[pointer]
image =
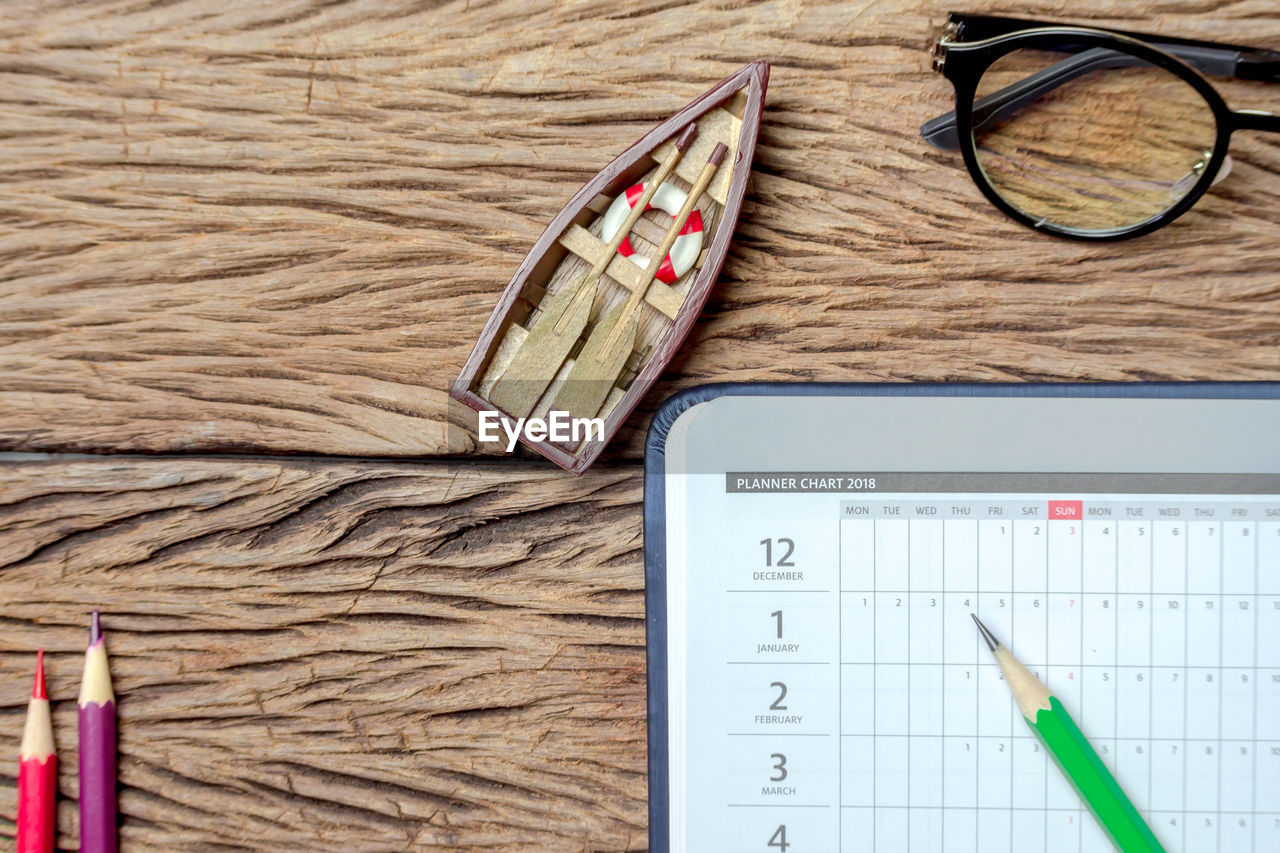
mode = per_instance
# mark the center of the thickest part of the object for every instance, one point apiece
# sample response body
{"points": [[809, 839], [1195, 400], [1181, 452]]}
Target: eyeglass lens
{"points": [[1093, 141]]}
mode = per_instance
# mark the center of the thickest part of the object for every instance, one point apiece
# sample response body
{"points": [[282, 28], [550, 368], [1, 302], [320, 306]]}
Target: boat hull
{"points": [[546, 254]]}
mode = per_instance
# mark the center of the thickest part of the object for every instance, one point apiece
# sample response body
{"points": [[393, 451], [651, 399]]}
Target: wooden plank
{"points": [[584, 244], [717, 126], [339, 656], [272, 228], [613, 340], [563, 315]]}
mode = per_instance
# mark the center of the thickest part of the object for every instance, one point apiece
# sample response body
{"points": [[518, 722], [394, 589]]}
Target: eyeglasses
{"points": [[1087, 133]]}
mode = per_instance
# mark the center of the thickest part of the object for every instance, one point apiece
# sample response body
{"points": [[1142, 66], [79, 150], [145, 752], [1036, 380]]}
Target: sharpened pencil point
{"points": [[38, 688], [992, 642], [95, 630]]}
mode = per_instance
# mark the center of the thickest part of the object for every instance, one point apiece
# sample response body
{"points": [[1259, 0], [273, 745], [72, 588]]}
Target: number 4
{"points": [[779, 838]]}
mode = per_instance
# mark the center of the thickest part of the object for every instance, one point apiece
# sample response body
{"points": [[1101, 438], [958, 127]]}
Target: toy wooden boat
{"points": [[602, 301]]}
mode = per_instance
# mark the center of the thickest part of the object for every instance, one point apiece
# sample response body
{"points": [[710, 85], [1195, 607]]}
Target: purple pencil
{"points": [[97, 749]]}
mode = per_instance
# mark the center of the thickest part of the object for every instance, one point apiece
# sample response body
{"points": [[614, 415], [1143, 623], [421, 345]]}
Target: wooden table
{"points": [[245, 247]]}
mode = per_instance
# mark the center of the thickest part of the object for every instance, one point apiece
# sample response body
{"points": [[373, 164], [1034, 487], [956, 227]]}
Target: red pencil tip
{"points": [[95, 630], [38, 689]]}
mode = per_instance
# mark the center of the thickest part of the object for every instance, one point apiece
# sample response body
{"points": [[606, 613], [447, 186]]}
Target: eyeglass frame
{"points": [[964, 62]]}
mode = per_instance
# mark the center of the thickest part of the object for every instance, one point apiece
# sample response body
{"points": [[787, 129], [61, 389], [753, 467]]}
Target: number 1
{"points": [[777, 614]]}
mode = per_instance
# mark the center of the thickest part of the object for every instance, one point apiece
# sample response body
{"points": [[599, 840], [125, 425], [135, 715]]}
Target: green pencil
{"points": [[1074, 756]]}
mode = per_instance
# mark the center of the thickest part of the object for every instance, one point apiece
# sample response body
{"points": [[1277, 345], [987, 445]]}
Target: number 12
{"points": [[785, 559]]}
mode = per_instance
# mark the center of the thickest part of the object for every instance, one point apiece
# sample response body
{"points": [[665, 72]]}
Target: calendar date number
{"points": [[784, 547]]}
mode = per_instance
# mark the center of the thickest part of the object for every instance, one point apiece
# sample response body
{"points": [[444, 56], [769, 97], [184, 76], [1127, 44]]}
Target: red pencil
{"points": [[37, 771], [97, 749]]}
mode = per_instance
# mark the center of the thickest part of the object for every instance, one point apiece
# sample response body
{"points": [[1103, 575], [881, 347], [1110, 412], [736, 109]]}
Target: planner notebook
{"points": [[813, 554]]}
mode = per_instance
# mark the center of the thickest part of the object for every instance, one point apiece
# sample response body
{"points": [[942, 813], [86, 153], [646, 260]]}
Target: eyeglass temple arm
{"points": [[1212, 58], [1218, 58], [1256, 120], [941, 131]]}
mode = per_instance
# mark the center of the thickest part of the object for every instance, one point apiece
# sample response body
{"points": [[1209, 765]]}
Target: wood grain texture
{"points": [[280, 227], [343, 656]]}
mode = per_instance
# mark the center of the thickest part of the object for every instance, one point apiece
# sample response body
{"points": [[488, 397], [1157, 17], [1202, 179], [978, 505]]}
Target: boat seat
{"points": [[589, 247]]}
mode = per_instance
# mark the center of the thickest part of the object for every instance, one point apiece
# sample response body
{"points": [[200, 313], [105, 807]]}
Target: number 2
{"points": [[782, 694]]}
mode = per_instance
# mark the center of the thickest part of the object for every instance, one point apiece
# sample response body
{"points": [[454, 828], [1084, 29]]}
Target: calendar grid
{"points": [[1040, 592], [977, 698], [943, 798], [1046, 667], [1113, 645], [1013, 588], [1001, 737], [1034, 809], [1083, 711], [1222, 563], [1253, 801], [1151, 649], [1186, 662], [931, 755]]}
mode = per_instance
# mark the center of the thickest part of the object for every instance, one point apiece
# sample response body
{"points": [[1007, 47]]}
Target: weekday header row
{"points": [[1063, 510]]}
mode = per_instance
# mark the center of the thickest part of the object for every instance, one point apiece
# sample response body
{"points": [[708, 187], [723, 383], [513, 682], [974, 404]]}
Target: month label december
{"points": [[774, 575], [779, 560]]}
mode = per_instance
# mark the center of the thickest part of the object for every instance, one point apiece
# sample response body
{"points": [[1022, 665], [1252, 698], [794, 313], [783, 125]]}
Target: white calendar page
{"points": [[827, 689]]}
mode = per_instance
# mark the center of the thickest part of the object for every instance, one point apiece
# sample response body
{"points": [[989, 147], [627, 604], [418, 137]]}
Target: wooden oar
{"points": [[614, 337], [564, 315]]}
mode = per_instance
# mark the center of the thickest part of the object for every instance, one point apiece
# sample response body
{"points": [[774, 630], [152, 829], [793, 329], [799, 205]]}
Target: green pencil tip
{"points": [[992, 642]]}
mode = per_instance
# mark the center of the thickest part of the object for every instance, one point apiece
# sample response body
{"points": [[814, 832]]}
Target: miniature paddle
{"points": [[564, 315], [614, 337]]}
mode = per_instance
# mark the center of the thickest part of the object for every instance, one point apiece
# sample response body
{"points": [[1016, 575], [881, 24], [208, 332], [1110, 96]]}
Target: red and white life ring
{"points": [[684, 252]]}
